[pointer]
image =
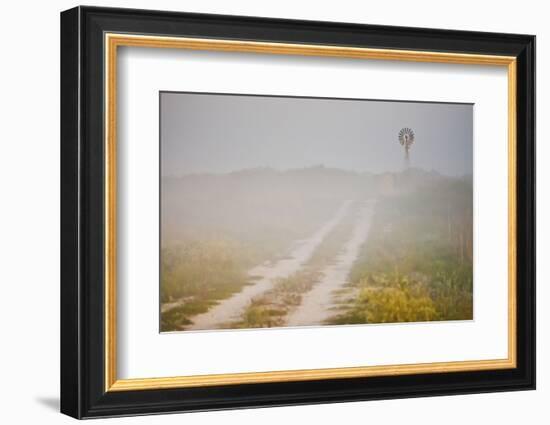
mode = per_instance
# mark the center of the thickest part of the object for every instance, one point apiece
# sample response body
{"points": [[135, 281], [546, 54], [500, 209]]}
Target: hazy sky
{"points": [[221, 133]]}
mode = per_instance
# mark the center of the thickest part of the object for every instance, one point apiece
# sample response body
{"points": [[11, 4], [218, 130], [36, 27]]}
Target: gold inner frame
{"points": [[113, 41]]}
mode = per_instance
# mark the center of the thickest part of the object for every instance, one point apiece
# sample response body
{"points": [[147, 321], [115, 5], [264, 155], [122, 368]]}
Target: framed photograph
{"points": [[261, 212]]}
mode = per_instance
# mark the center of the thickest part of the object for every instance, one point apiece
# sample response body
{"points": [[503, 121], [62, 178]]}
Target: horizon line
{"points": [[312, 167]]}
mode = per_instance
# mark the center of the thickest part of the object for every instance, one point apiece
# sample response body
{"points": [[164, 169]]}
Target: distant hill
{"points": [[258, 203]]}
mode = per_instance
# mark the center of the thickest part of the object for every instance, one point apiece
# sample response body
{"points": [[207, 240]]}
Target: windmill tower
{"points": [[406, 139]]}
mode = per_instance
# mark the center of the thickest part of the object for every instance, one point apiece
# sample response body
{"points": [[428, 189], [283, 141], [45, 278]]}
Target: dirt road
{"points": [[230, 309], [318, 304]]}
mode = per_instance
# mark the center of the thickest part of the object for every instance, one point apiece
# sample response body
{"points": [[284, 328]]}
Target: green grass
{"points": [[270, 309], [199, 274], [417, 262]]}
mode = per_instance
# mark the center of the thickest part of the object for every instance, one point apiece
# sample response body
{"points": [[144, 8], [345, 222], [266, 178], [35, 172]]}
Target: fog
{"points": [[212, 133], [280, 211]]}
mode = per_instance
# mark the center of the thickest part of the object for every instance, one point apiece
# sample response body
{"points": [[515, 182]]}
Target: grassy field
{"points": [[417, 262], [215, 227], [196, 275]]}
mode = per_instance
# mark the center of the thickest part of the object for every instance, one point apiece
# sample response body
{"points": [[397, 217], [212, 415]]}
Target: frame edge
{"points": [[70, 349], [80, 396]]}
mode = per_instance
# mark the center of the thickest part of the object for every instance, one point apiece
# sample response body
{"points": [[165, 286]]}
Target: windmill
{"points": [[406, 139]]}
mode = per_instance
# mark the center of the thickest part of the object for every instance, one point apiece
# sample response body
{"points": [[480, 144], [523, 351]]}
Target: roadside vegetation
{"points": [[417, 262], [270, 309], [196, 275]]}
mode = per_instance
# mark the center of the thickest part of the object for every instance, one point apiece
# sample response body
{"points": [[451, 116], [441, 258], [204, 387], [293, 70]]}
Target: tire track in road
{"points": [[318, 304]]}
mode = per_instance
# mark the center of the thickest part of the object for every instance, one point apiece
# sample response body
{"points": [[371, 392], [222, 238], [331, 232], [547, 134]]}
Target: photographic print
{"points": [[274, 181], [282, 211]]}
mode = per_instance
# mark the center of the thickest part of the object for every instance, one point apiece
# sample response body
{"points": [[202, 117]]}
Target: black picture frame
{"points": [[83, 392]]}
